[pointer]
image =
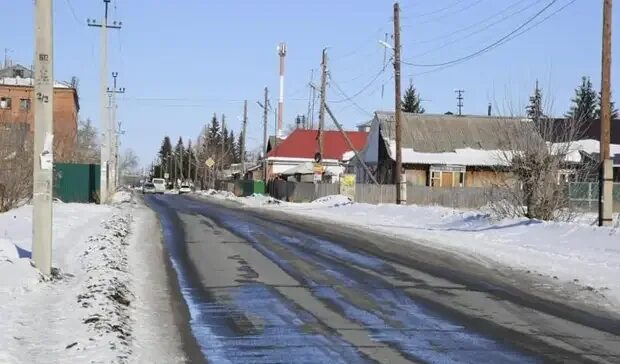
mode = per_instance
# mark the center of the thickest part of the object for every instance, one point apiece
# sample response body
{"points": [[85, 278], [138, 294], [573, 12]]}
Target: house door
{"points": [[447, 179]]}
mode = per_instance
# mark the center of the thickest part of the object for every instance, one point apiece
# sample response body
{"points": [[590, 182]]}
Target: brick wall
{"points": [[65, 115]]}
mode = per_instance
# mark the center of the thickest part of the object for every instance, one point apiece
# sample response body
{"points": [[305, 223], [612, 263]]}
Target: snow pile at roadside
{"points": [[221, 195], [577, 253], [121, 197], [80, 314]]}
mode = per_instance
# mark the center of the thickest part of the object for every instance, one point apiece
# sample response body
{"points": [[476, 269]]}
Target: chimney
{"points": [[489, 110]]}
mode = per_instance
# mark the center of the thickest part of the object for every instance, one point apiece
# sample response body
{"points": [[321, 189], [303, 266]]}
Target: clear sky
{"points": [[183, 60]]}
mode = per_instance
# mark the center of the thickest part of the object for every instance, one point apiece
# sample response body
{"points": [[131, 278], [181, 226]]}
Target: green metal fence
{"points": [[76, 182]]}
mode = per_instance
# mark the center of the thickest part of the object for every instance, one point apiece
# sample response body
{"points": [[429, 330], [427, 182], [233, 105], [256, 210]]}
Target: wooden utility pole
{"points": [[189, 159], [223, 134], [43, 138], [397, 173], [323, 98], [606, 180], [245, 123]]}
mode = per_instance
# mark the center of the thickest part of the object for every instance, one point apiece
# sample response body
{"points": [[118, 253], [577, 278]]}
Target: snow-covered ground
{"points": [[577, 253], [85, 312]]}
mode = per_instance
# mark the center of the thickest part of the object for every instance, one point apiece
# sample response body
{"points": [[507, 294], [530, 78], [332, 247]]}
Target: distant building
{"points": [[298, 149], [17, 100]]}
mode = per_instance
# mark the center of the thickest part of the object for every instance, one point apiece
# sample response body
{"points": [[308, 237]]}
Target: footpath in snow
{"points": [[91, 308], [579, 253]]}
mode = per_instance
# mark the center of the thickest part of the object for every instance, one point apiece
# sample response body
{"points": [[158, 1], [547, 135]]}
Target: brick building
{"points": [[16, 106]]}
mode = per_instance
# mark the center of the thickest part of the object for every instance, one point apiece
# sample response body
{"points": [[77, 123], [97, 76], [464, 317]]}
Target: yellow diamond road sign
{"points": [[210, 162]]}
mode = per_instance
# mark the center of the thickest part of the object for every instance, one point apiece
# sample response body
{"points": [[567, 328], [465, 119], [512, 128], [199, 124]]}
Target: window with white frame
{"points": [[446, 176], [5, 102]]}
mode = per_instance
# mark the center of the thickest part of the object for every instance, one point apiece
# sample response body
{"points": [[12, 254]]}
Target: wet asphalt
{"points": [[259, 290]]}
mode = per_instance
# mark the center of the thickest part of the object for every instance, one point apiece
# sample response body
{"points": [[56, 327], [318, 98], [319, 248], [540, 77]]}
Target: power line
{"points": [[349, 99], [469, 35], [80, 22], [470, 26], [437, 11], [489, 47], [366, 87], [512, 37]]}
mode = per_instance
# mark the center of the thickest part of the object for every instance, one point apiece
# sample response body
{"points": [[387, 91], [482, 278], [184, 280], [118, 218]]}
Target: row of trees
{"points": [[215, 141], [586, 104]]}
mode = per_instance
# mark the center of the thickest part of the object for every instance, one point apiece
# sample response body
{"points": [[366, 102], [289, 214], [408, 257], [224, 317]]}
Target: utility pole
{"points": [[245, 123], [106, 143], [459, 100], [119, 132], [189, 158], [397, 173], [384, 63], [323, 97], [606, 180], [43, 137], [112, 132], [282, 54], [223, 142], [311, 97]]}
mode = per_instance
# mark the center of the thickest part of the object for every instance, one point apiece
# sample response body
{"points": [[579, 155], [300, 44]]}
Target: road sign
{"points": [[210, 162], [166, 175]]}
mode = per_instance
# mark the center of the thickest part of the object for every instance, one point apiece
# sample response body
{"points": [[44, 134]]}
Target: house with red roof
{"points": [[301, 145]]}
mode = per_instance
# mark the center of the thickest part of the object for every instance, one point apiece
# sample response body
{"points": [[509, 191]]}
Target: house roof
{"points": [[18, 75], [428, 133], [302, 143]]}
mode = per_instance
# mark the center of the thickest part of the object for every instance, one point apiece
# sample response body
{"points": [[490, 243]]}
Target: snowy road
{"points": [[264, 290]]}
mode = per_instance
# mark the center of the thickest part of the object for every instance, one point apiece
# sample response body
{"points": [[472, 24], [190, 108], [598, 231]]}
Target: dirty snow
{"points": [[83, 312], [577, 253]]}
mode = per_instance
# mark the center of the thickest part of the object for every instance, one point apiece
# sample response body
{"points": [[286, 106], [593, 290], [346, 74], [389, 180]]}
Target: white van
{"points": [[160, 185]]}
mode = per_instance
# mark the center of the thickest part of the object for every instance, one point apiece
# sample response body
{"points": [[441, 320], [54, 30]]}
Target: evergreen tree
{"points": [[584, 102], [231, 148], [165, 152], [179, 151], [214, 132], [411, 101], [535, 109], [614, 111], [240, 158]]}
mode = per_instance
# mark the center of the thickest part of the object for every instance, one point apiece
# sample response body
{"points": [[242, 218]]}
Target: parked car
{"points": [[160, 185], [185, 188], [148, 187]]}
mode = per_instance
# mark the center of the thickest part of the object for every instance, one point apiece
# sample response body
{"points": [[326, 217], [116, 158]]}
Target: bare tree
{"points": [[540, 155], [129, 162], [16, 165], [87, 143]]}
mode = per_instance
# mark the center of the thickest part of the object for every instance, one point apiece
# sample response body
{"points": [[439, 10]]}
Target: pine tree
{"points": [[535, 109], [584, 102], [164, 156], [612, 105], [240, 158], [411, 101], [179, 151], [214, 132]]}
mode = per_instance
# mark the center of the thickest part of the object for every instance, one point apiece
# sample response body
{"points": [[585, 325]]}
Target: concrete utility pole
{"points": [[311, 97], [397, 173], [265, 120], [117, 144], [43, 137], [323, 98], [106, 143], [459, 100], [113, 133], [282, 54], [245, 123], [606, 181]]}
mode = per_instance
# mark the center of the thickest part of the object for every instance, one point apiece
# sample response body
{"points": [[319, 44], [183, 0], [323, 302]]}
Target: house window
{"points": [[5, 102], [435, 179], [18, 73], [447, 176], [24, 104]]}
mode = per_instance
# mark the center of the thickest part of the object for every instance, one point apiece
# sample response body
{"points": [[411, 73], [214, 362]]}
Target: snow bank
{"points": [[577, 253], [83, 312], [121, 197]]}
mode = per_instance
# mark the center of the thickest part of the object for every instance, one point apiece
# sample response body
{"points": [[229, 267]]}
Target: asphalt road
{"points": [[262, 288]]}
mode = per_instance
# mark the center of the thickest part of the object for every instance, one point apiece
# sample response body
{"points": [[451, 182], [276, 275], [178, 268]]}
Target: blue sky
{"points": [[181, 61]]}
